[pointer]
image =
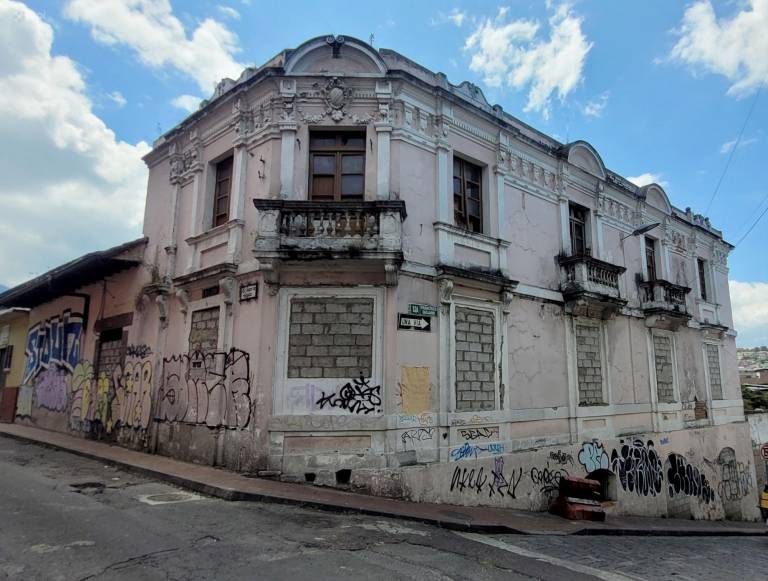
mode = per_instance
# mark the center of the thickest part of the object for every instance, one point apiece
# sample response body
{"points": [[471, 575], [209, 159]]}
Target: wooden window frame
{"points": [[338, 150], [461, 217], [220, 218], [650, 258], [573, 222]]}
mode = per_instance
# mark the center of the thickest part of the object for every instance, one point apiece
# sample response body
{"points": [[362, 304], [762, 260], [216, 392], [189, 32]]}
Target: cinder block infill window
{"points": [[713, 366], [330, 337], [475, 360], [589, 365], [662, 354]]}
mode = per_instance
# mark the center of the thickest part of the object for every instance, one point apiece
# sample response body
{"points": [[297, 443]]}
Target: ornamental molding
{"points": [[615, 210], [185, 161]]}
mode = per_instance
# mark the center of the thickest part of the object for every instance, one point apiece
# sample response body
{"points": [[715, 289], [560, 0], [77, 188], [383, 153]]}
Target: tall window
{"points": [[467, 202], [221, 192], [650, 257], [578, 227], [337, 165], [701, 265]]}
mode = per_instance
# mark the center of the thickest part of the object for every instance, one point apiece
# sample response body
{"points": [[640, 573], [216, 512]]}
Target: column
{"points": [[237, 203], [287, 148], [383, 133]]}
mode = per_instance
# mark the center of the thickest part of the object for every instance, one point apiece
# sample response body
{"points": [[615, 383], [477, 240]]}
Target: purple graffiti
{"points": [[51, 389]]}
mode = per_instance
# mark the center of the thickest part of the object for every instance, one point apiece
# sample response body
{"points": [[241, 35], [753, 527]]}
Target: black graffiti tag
{"points": [[417, 435], [638, 467], [356, 397], [476, 479], [548, 479], [686, 479]]}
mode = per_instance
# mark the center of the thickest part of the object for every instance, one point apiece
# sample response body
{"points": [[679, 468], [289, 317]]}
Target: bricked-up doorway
{"points": [[110, 362]]}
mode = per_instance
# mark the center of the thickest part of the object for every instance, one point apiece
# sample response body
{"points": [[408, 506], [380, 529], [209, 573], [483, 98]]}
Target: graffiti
{"points": [[467, 450], [548, 479], [473, 420], [735, 477], [664, 440], [560, 457], [53, 341], [51, 389], [356, 397], [486, 433], [476, 479], [417, 435], [24, 402], [131, 403], [423, 420], [79, 385], [638, 467], [302, 398], [138, 351], [593, 457], [686, 479], [212, 388]]}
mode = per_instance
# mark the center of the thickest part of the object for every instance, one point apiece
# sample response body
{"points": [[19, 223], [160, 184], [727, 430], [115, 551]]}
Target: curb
{"points": [[232, 495]]}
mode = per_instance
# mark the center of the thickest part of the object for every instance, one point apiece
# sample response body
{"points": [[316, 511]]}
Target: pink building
{"points": [[357, 273]]}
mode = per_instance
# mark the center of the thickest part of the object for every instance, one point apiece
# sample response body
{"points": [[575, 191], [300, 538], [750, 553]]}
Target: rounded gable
{"points": [[334, 55], [655, 196], [582, 155]]}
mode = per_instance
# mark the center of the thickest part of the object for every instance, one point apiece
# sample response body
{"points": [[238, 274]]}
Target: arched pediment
{"points": [[334, 55], [584, 156], [655, 196]]}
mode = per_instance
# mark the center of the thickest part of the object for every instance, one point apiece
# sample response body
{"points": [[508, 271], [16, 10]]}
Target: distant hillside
{"points": [[755, 358], [3, 288]]}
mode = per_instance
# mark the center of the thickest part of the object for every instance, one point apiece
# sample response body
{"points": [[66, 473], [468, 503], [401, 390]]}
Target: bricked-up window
{"points": [[578, 227], [221, 192], [650, 257], [111, 352], [589, 365], [204, 330], [713, 366], [475, 360], [467, 195], [337, 165], [330, 337], [662, 355], [701, 266]]}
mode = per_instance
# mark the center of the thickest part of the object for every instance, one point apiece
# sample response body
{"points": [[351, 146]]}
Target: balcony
{"points": [[305, 230], [664, 303], [590, 286]]}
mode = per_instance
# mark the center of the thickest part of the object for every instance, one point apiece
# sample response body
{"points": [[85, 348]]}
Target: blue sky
{"points": [[661, 89]]}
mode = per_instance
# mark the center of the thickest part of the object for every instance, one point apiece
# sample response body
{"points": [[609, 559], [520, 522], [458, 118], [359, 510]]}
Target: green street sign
{"points": [[426, 310]]}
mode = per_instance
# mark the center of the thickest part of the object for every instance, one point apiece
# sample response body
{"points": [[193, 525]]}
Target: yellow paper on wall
{"points": [[415, 389]]}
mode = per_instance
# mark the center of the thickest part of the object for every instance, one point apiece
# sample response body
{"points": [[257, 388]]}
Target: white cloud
{"points": [[159, 39], [749, 301], [647, 178], [455, 16], [734, 47], [596, 106], [728, 146], [229, 12], [188, 103], [117, 98], [69, 185], [513, 53]]}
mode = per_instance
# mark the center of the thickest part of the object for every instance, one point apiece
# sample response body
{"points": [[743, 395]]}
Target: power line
{"points": [[733, 151], [752, 226]]}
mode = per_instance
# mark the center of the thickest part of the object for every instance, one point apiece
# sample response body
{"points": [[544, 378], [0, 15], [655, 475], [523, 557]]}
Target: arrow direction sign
{"points": [[413, 322]]}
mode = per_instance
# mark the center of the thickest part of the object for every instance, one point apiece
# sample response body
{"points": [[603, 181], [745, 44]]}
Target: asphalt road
{"points": [[63, 517]]}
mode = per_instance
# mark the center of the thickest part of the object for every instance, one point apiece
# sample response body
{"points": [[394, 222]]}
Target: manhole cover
{"points": [[168, 498]]}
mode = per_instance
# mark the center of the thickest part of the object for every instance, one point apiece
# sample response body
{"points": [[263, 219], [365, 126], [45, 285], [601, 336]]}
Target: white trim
{"points": [[538, 292], [280, 381]]}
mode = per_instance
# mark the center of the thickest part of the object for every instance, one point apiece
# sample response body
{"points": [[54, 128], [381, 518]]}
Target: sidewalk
{"points": [[232, 486]]}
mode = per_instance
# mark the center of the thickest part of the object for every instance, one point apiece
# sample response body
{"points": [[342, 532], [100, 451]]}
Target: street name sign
{"points": [[410, 322]]}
